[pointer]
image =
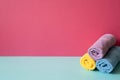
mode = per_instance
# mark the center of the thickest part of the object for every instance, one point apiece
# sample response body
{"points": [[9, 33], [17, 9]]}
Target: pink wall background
{"points": [[55, 27]]}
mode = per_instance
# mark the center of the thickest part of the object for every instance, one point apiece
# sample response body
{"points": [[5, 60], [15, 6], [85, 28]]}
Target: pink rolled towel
{"points": [[101, 46]]}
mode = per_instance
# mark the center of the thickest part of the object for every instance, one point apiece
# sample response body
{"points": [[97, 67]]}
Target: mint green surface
{"points": [[49, 68]]}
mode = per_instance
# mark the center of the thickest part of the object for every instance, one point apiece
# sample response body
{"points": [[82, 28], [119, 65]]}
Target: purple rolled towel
{"points": [[101, 46]]}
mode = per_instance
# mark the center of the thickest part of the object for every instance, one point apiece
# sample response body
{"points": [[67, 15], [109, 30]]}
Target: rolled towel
{"points": [[101, 46], [87, 62], [109, 62]]}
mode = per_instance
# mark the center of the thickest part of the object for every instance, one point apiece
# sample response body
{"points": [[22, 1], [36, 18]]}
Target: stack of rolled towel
{"points": [[102, 55]]}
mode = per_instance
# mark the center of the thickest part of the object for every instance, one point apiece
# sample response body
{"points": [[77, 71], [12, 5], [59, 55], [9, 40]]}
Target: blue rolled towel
{"points": [[109, 62]]}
